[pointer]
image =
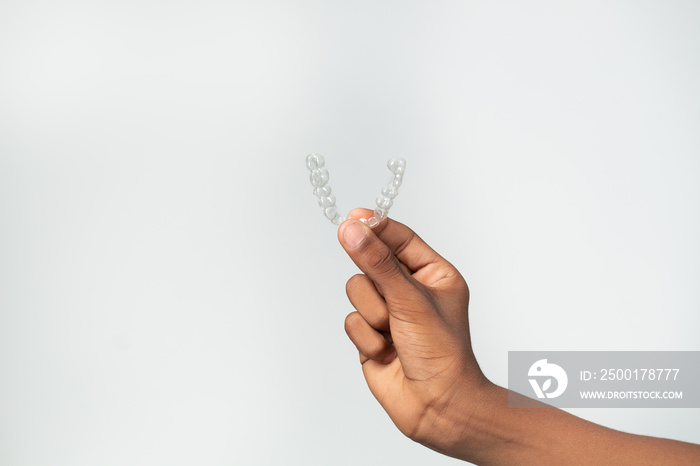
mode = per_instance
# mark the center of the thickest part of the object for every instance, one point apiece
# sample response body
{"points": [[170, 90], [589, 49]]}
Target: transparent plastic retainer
{"points": [[322, 190]]}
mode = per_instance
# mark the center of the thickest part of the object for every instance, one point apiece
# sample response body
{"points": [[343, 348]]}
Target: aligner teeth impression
{"points": [[322, 190]]}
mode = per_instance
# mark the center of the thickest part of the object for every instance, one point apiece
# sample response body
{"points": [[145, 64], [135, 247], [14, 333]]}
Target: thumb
{"points": [[376, 260]]}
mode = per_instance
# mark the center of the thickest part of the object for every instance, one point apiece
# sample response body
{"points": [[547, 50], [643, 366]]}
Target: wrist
{"points": [[537, 435], [479, 427], [463, 422], [488, 435]]}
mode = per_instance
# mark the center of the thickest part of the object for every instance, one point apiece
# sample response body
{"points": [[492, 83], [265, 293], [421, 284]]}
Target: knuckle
{"points": [[353, 284], [382, 261], [352, 321]]}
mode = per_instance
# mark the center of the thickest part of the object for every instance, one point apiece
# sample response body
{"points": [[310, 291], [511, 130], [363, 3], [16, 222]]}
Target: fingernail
{"points": [[354, 234], [390, 357]]}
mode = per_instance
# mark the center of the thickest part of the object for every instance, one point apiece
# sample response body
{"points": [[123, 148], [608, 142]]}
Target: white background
{"points": [[170, 293]]}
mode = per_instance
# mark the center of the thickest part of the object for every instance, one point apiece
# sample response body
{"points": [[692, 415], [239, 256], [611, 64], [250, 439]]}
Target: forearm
{"points": [[498, 435]]}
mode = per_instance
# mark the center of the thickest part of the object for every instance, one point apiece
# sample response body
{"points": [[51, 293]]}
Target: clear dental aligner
{"points": [[322, 190]]}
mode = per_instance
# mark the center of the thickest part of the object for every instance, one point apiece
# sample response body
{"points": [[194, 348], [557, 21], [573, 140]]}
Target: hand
{"points": [[412, 331]]}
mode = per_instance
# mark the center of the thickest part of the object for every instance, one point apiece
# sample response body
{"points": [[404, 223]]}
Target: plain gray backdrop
{"points": [[170, 293]]}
